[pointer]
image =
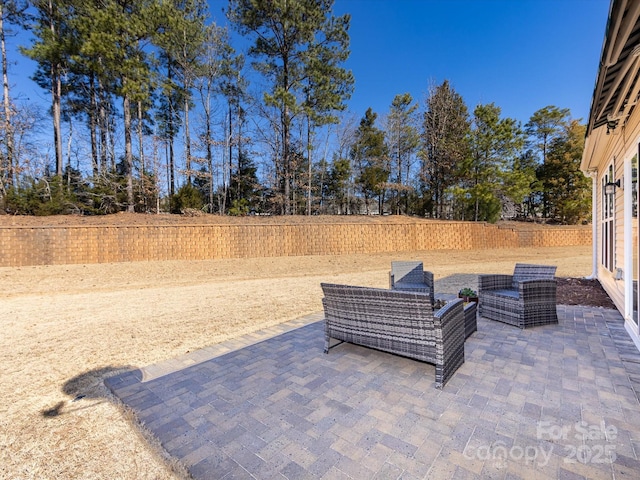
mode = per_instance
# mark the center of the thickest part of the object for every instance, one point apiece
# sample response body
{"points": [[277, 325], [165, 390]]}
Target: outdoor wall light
{"points": [[619, 274], [610, 187]]}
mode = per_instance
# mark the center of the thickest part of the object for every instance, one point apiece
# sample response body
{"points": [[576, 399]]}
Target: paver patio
{"points": [[557, 401]]}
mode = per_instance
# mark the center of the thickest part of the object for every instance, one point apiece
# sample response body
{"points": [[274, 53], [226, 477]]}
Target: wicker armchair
{"points": [[525, 299], [410, 277], [402, 323]]}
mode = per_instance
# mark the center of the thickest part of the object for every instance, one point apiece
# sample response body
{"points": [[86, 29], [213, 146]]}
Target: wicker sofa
{"points": [[525, 299], [398, 322]]}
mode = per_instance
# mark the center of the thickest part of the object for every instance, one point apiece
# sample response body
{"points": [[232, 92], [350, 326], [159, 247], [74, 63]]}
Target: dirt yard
{"points": [[66, 328]]}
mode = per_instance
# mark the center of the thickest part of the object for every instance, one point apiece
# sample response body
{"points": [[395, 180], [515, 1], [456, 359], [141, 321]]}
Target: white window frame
{"points": [[608, 231]]}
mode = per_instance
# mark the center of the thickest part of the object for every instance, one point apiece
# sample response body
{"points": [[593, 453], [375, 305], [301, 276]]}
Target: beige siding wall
{"points": [[615, 288], [617, 147]]}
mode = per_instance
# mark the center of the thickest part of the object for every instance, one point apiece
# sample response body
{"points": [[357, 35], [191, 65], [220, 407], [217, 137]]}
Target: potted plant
{"points": [[438, 304], [468, 295]]}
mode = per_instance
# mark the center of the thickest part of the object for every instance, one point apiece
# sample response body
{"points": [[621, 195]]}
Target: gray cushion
{"points": [[503, 293]]}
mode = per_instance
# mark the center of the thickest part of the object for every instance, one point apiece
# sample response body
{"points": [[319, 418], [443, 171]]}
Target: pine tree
{"points": [[337, 185], [546, 125], [444, 146], [568, 190], [51, 51], [495, 143], [298, 48], [181, 45], [403, 140], [370, 154], [117, 37]]}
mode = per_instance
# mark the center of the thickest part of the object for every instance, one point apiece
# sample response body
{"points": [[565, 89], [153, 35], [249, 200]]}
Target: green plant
{"points": [[187, 197], [49, 195], [240, 208], [468, 292]]}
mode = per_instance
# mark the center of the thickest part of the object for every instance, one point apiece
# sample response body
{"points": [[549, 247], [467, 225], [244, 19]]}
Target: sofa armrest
{"points": [[494, 282], [450, 336], [450, 312], [428, 278], [539, 289], [450, 319]]}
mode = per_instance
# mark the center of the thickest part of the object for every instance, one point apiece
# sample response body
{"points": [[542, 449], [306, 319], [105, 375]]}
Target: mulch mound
{"points": [[582, 291]]}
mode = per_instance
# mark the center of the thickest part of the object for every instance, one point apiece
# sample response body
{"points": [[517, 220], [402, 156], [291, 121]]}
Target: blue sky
{"points": [[521, 55]]}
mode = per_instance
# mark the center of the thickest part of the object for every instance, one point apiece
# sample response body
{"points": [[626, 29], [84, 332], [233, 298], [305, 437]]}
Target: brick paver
{"points": [[552, 402]]}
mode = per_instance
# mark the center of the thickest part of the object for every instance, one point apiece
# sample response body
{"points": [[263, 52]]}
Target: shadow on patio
{"points": [[558, 401]]}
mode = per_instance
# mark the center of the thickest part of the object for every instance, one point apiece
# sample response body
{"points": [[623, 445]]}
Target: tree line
{"points": [[152, 109]]}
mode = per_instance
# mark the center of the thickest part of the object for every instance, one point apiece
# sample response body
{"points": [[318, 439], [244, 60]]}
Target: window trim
{"points": [[608, 222]]}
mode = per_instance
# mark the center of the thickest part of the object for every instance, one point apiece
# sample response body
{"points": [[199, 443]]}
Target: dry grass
{"points": [[65, 328]]}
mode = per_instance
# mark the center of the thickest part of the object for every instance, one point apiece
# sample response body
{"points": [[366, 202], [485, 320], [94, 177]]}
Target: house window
{"points": [[608, 214]]}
